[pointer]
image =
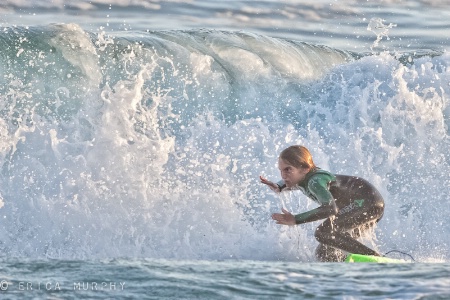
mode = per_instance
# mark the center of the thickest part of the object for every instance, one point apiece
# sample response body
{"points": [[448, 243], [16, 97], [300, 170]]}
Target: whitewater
{"points": [[136, 132]]}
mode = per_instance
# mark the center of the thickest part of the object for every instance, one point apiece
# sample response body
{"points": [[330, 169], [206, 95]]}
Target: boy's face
{"points": [[290, 174]]}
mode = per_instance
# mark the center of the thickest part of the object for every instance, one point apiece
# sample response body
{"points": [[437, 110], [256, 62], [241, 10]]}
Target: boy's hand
{"points": [[273, 186], [286, 218]]}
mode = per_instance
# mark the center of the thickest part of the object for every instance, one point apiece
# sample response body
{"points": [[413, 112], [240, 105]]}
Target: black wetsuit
{"points": [[347, 203]]}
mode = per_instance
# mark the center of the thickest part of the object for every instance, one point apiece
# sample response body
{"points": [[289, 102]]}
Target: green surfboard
{"points": [[357, 258]]}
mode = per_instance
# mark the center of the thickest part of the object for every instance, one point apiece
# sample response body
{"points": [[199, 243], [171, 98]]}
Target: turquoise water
{"points": [[132, 138], [180, 279]]}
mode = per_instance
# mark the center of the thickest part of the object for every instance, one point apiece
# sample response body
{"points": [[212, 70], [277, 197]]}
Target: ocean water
{"points": [[133, 133], [231, 279]]}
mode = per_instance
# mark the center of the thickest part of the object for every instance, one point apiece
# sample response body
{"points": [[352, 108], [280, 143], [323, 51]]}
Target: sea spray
{"points": [[150, 144]]}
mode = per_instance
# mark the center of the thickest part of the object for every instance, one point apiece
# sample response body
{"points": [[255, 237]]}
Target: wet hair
{"points": [[298, 156]]}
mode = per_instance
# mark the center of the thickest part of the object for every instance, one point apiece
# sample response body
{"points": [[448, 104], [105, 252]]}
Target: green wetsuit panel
{"points": [[318, 188]]}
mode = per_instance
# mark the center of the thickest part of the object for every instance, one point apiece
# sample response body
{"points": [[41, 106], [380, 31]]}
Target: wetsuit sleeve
{"points": [[318, 188], [319, 213], [281, 185]]}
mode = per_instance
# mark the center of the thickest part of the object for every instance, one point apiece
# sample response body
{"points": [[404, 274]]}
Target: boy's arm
{"points": [[273, 186], [318, 187], [319, 213]]}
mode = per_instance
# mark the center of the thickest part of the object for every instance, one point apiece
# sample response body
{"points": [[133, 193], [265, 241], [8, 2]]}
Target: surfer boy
{"points": [[349, 204]]}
